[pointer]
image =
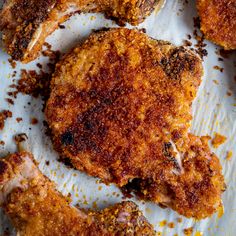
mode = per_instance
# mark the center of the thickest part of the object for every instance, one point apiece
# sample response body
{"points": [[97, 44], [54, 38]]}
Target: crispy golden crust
{"points": [[196, 192], [27, 23], [19, 21], [36, 208], [218, 21], [123, 219], [120, 110]]}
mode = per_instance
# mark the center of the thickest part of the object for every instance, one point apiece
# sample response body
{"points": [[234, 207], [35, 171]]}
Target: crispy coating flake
{"points": [[120, 110], [218, 21], [27, 23], [36, 208], [218, 140]]}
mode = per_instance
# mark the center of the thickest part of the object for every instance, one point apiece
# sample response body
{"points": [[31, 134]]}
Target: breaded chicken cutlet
{"points": [[119, 110], [26, 24], [218, 21], [36, 208]]}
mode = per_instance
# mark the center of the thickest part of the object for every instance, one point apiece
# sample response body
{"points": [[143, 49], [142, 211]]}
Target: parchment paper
{"points": [[213, 110]]}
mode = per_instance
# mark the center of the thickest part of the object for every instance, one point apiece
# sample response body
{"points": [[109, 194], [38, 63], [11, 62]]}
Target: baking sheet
{"points": [[213, 110]]}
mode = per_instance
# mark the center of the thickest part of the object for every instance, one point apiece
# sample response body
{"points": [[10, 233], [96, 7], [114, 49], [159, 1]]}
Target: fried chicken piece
{"points": [[26, 24], [218, 21], [35, 207], [119, 110], [4, 115]]}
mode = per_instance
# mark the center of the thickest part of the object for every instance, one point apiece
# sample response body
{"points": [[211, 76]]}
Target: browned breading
{"points": [[36, 208], [120, 110], [33, 83], [26, 24], [218, 21]]}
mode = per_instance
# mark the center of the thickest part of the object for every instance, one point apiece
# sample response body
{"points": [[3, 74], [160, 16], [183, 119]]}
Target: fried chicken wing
{"points": [[218, 21], [36, 208], [26, 24], [119, 110]]}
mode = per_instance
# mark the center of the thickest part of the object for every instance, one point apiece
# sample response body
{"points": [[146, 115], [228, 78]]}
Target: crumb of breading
{"points": [[19, 138], [2, 143], [19, 119], [12, 63], [33, 83], [219, 68], [47, 163], [10, 101], [229, 155], [218, 140], [3, 116], [171, 225], [179, 220], [163, 223], [34, 121], [200, 45], [188, 231]]}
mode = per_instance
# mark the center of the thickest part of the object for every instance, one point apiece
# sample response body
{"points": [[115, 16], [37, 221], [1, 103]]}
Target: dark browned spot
{"points": [[67, 138], [3, 167], [177, 62]]}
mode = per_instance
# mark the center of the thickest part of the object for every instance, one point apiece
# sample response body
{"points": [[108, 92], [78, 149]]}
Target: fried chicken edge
{"points": [[24, 36], [35, 207]]}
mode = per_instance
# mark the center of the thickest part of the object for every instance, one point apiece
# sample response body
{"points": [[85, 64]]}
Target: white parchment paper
{"points": [[213, 110]]}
